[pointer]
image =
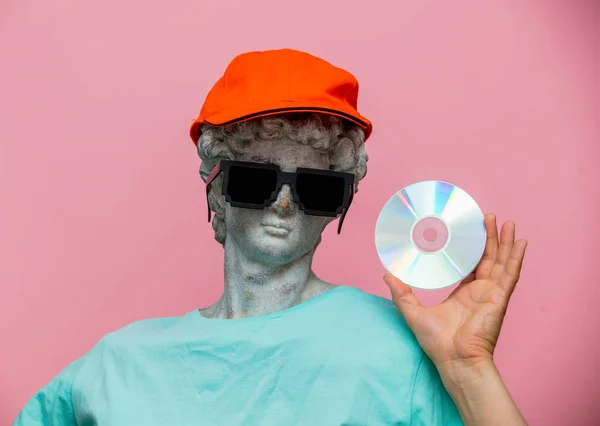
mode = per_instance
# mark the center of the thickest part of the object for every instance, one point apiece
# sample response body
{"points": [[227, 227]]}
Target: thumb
{"points": [[404, 299]]}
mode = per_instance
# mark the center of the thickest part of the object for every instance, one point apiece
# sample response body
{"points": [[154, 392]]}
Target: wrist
{"points": [[467, 374], [479, 393]]}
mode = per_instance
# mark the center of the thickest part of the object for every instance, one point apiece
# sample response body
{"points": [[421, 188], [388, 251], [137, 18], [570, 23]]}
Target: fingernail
{"points": [[400, 290]]}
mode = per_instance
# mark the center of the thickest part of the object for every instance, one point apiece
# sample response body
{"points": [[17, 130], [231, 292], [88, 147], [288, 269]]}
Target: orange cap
{"points": [[258, 84]]}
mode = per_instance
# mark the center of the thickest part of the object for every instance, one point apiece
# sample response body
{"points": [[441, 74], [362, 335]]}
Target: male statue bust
{"points": [[268, 253]]}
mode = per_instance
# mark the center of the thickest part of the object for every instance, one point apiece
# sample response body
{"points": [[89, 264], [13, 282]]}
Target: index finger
{"points": [[484, 270]]}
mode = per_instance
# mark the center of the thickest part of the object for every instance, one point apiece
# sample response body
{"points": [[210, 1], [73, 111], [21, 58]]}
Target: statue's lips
{"points": [[276, 229]]}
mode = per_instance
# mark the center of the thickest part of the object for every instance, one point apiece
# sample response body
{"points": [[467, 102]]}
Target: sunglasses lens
{"points": [[321, 193], [251, 185]]}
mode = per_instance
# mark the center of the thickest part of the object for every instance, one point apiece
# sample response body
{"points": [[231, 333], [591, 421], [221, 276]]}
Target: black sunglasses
{"points": [[256, 186]]}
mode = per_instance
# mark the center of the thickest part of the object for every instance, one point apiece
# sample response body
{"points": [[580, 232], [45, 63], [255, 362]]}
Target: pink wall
{"points": [[102, 215]]}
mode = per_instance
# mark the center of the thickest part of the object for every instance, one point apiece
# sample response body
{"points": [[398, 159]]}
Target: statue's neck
{"points": [[253, 288]]}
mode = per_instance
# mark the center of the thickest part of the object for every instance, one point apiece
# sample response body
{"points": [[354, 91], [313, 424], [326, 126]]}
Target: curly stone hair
{"points": [[341, 140]]}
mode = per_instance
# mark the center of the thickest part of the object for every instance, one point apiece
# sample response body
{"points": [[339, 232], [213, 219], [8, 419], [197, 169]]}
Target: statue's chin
{"points": [[274, 252]]}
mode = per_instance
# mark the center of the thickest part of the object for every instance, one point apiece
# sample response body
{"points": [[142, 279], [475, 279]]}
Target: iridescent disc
{"points": [[430, 235]]}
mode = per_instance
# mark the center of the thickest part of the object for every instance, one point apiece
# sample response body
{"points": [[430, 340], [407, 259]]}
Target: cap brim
{"points": [[249, 112]]}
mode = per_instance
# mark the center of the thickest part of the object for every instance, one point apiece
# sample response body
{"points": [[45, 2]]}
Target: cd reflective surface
{"points": [[430, 235]]}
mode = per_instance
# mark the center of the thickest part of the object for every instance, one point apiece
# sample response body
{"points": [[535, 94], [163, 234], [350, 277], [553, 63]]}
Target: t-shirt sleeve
{"points": [[431, 405], [51, 405]]}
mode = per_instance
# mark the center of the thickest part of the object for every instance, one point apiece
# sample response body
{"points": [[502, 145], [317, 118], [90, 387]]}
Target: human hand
{"points": [[463, 330]]}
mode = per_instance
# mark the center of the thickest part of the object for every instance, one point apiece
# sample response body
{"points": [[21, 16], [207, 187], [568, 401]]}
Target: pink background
{"points": [[102, 215]]}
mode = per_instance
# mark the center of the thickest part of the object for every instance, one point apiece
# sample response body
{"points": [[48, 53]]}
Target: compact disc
{"points": [[430, 235]]}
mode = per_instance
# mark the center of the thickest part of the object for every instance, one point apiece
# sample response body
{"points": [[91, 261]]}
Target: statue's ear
{"points": [[204, 171]]}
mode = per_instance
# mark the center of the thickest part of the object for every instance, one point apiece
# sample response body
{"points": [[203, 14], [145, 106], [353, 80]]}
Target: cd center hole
{"points": [[430, 235]]}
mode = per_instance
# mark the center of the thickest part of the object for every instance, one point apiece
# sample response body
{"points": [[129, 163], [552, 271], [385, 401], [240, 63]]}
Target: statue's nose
{"points": [[284, 204]]}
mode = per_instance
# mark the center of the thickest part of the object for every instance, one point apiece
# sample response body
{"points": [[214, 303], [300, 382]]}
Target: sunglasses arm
{"points": [[213, 174], [207, 205], [341, 222]]}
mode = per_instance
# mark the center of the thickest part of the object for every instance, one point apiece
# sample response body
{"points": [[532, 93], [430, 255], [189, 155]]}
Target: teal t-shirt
{"points": [[345, 357]]}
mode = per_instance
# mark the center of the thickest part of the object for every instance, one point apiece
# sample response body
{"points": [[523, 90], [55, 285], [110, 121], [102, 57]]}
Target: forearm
{"points": [[480, 395]]}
